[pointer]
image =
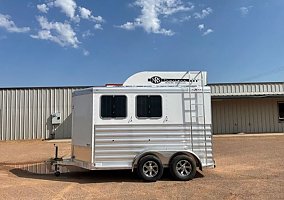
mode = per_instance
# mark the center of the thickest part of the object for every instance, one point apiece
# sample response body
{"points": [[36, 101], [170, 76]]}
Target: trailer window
{"points": [[149, 106], [281, 111], [113, 106]]}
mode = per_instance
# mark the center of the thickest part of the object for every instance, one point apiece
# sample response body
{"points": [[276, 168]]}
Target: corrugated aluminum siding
{"points": [[249, 115], [25, 112], [117, 146], [247, 89]]}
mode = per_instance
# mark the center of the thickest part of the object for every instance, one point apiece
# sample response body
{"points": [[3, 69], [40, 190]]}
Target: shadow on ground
{"points": [[44, 172]]}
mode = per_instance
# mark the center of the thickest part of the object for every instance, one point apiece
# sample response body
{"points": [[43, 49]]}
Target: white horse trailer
{"points": [[152, 121]]}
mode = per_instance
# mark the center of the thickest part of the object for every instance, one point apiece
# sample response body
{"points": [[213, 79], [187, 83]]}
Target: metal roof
{"points": [[43, 87], [218, 90], [238, 90]]}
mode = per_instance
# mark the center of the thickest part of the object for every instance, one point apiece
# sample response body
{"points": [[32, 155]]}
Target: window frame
{"points": [[116, 118], [280, 119], [136, 107]]}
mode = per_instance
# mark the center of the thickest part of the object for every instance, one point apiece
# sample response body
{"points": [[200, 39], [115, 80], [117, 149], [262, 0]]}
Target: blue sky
{"points": [[68, 42]]}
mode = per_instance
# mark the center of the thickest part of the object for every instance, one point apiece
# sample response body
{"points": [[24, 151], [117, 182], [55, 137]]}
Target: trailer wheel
{"points": [[183, 167], [150, 168]]}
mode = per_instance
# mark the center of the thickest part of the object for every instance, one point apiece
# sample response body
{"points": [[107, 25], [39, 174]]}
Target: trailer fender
{"points": [[139, 156], [166, 157], [189, 153]]}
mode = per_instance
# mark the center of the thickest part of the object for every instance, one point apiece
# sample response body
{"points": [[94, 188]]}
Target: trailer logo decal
{"points": [[157, 80]]}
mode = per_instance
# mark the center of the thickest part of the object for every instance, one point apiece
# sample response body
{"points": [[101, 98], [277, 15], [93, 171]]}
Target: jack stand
{"points": [[56, 168]]}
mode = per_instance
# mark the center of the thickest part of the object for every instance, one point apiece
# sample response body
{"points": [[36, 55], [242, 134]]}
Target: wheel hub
{"points": [[150, 168], [183, 167]]}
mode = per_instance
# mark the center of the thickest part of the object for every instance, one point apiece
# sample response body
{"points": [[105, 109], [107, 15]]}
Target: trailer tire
{"points": [[150, 168], [183, 167]]}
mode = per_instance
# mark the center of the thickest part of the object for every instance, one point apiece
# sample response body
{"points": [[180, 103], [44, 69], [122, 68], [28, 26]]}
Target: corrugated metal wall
{"points": [[25, 113], [247, 89], [249, 115]]}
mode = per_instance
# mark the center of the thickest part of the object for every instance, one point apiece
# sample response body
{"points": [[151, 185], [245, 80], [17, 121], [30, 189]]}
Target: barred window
{"points": [[149, 106], [113, 106]]}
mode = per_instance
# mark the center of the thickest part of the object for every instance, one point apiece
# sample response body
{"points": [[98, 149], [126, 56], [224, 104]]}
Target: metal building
{"points": [[25, 113], [247, 107]]}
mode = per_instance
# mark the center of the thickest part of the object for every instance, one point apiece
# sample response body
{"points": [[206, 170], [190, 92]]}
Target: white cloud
{"points": [[245, 10], [201, 27], [87, 14], [87, 34], [98, 27], [10, 26], [68, 7], [60, 33], [208, 31], [185, 18], [127, 26], [42, 8], [180, 19], [98, 19], [85, 52], [169, 7], [204, 13], [151, 11]]}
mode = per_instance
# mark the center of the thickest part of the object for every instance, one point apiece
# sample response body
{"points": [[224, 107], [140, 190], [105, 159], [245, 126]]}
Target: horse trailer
{"points": [[152, 121]]}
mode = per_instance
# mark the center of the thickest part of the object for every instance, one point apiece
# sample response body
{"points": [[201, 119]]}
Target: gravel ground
{"points": [[247, 168]]}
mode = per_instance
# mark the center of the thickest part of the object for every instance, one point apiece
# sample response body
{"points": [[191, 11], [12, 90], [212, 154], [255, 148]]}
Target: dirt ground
{"points": [[247, 168]]}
